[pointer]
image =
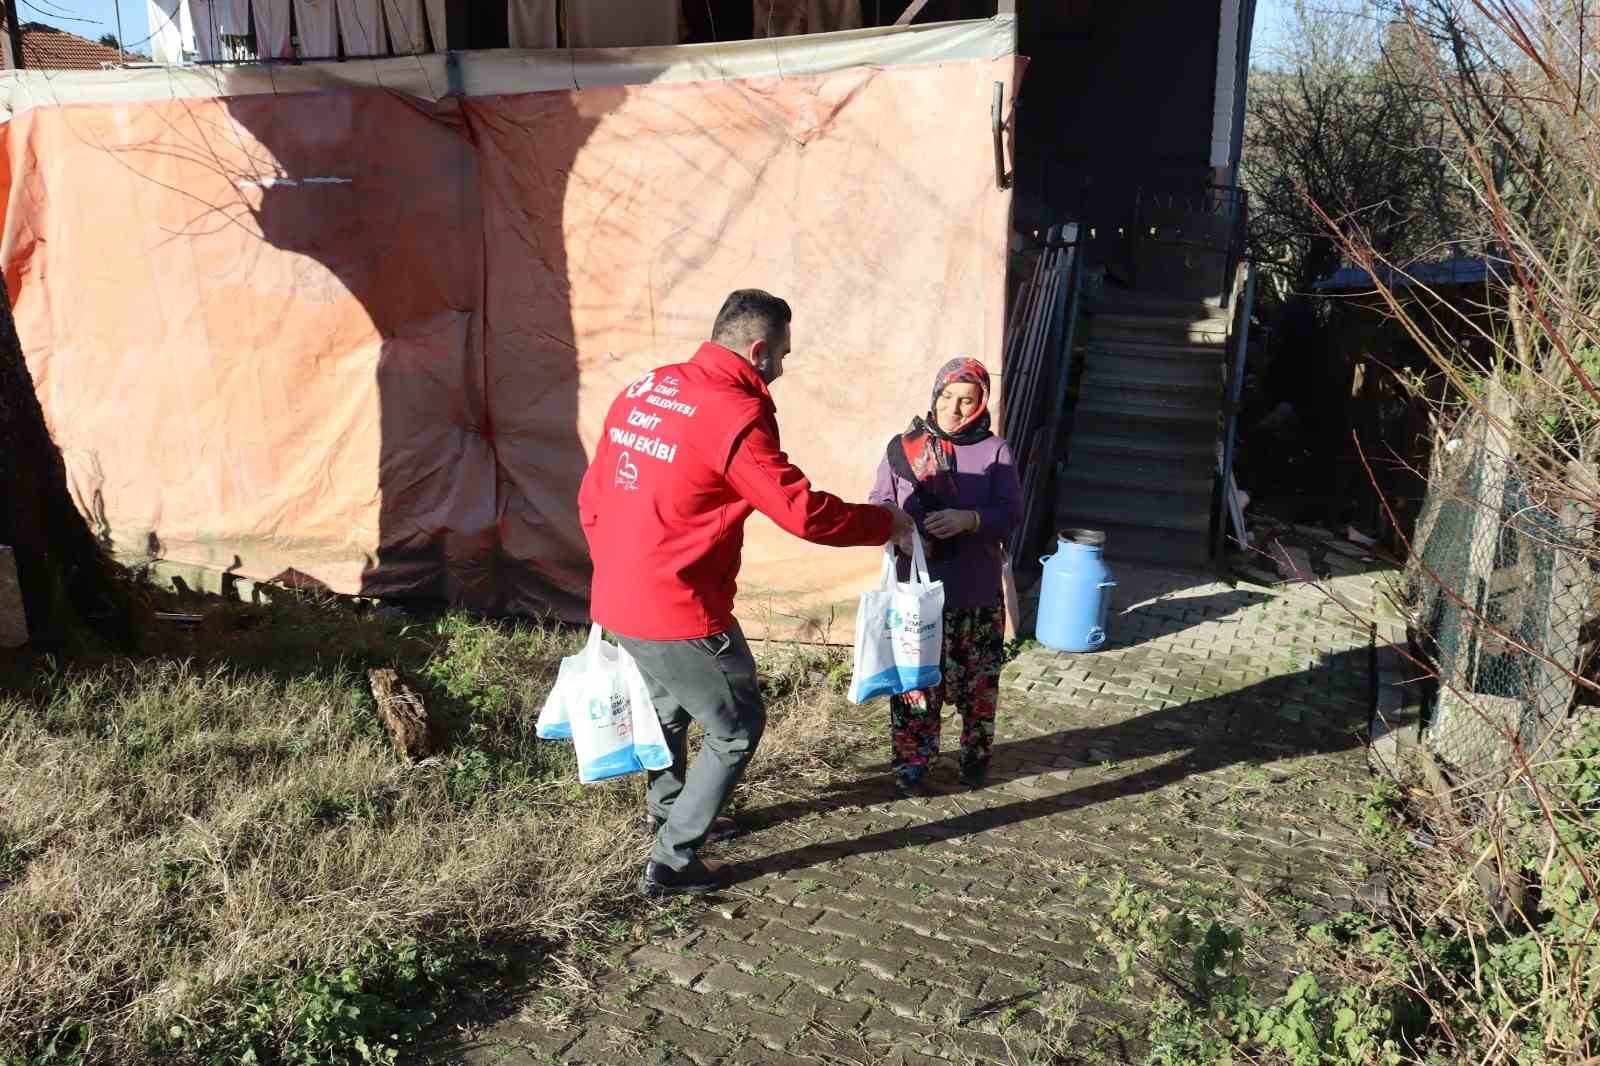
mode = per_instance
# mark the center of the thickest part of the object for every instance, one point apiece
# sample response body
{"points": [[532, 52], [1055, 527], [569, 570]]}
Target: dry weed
{"points": [[185, 843]]}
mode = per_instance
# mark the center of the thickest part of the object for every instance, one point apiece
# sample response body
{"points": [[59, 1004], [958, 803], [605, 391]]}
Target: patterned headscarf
{"points": [[925, 454]]}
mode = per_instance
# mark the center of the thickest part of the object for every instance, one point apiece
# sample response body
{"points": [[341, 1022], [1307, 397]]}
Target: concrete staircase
{"points": [[1142, 452]]}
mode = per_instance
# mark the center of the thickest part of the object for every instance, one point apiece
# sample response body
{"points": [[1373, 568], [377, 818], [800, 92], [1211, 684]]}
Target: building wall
{"points": [[1118, 95]]}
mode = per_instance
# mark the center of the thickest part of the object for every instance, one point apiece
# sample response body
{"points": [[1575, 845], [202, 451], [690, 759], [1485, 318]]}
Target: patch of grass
{"points": [[211, 853]]}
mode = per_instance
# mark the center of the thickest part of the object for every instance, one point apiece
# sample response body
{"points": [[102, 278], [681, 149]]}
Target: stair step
{"points": [[1155, 329], [1134, 412], [1144, 348], [1107, 384], [1143, 544], [1140, 320], [1121, 302], [1180, 428], [1141, 450], [1156, 448], [1136, 477], [1103, 366], [1092, 507], [1174, 338]]}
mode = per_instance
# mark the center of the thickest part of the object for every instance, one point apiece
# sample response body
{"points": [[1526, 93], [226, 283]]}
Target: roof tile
{"points": [[48, 48]]}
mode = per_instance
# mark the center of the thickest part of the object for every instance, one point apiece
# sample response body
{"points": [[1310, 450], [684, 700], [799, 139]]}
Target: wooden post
{"points": [[1464, 717], [1566, 603], [13, 622], [1440, 473], [14, 31], [1489, 500]]}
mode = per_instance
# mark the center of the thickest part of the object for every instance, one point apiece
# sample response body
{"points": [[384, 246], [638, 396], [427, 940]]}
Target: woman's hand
{"points": [[947, 524]]}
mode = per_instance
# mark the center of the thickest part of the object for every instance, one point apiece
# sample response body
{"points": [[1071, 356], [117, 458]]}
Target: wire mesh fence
{"points": [[1500, 581]]}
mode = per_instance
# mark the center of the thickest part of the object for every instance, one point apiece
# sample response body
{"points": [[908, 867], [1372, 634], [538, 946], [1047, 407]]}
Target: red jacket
{"points": [[688, 451]]}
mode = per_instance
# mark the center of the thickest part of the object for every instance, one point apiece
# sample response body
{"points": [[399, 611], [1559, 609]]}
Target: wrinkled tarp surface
{"points": [[365, 338]]}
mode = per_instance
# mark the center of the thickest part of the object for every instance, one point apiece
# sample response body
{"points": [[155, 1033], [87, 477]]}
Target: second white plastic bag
{"points": [[600, 700]]}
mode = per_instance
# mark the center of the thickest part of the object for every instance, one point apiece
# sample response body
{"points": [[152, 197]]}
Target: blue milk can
{"points": [[1075, 594]]}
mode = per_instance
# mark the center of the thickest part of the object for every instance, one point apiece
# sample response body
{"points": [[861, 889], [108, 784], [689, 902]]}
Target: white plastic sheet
{"points": [[233, 17], [499, 72], [533, 23], [166, 30], [787, 18], [361, 28], [272, 28], [207, 42], [318, 23], [408, 31], [622, 23], [436, 25]]}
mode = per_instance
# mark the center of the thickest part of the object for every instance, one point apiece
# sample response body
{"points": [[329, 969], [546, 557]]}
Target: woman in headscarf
{"points": [[958, 480]]}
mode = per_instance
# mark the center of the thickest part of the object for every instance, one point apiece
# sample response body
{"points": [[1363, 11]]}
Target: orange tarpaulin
{"points": [[369, 335]]}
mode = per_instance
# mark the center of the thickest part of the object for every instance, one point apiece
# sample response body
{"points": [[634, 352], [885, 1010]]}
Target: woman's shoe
{"points": [[909, 780], [975, 775]]}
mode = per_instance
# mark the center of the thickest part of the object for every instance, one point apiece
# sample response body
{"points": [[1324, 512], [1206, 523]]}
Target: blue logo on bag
{"points": [[603, 712], [910, 620]]}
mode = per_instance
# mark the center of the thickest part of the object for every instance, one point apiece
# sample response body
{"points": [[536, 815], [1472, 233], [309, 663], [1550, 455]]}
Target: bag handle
{"points": [[591, 650], [919, 563]]}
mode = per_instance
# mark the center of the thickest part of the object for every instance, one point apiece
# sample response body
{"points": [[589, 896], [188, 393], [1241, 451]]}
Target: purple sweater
{"points": [[969, 565]]}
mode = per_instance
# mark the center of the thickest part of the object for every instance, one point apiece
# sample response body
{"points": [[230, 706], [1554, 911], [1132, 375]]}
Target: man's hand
{"points": [[900, 537], [947, 524]]}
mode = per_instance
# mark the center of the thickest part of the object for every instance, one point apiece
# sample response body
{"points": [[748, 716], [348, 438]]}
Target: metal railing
{"points": [[1039, 357], [1242, 299], [1207, 224]]}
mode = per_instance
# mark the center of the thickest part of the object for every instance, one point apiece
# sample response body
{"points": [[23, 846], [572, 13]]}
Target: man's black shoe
{"points": [[696, 879], [721, 828]]}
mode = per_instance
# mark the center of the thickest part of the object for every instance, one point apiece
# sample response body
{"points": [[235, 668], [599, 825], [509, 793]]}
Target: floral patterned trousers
{"points": [[974, 652]]}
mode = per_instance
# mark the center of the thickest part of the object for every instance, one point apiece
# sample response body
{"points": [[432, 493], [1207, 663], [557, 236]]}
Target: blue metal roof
{"points": [[1464, 270]]}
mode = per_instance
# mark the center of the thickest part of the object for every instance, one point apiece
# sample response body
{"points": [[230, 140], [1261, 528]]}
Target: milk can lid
{"points": [[1091, 538]]}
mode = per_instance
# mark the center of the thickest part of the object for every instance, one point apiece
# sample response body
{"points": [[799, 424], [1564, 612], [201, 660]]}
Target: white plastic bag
{"points": [[899, 631], [601, 702]]}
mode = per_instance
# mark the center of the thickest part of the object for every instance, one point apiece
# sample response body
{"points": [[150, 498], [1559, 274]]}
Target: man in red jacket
{"points": [[687, 453]]}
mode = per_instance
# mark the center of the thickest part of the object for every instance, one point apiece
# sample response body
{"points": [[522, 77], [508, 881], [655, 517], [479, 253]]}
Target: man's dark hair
{"points": [[750, 315]]}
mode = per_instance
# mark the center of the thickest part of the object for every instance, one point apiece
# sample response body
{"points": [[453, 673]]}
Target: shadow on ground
{"points": [[1203, 735], [1150, 603]]}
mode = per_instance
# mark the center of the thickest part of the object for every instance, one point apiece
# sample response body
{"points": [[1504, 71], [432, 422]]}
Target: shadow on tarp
{"points": [[402, 205]]}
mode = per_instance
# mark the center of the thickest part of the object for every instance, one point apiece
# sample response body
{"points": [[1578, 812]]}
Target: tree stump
{"points": [[401, 711], [13, 622]]}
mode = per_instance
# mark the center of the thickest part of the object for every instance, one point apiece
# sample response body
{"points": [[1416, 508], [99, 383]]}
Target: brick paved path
{"points": [[1198, 756]]}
